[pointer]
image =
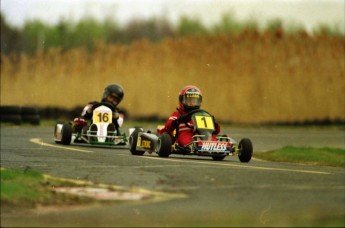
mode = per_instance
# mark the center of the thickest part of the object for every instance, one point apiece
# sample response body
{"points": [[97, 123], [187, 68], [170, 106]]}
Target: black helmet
{"points": [[114, 90]]}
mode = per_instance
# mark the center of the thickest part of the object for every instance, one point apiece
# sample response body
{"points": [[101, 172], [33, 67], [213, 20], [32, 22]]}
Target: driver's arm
{"points": [[171, 123], [217, 126], [87, 111]]}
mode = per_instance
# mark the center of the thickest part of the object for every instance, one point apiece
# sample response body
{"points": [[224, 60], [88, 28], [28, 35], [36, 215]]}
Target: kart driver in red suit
{"points": [[190, 98]]}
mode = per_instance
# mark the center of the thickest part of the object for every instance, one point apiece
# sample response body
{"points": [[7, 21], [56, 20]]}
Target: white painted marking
{"points": [[40, 142], [241, 166]]}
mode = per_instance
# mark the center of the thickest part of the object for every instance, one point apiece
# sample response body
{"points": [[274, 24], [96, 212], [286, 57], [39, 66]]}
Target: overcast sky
{"points": [[308, 13]]}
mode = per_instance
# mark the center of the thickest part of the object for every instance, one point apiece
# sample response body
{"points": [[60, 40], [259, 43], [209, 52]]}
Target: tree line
{"points": [[36, 35]]}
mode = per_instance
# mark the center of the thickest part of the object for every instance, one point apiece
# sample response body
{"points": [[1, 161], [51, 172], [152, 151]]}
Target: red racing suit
{"points": [[184, 132]]}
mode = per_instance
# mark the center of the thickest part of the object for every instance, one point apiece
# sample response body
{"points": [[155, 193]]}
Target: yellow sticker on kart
{"points": [[204, 122], [102, 115], [139, 141], [143, 143], [146, 144]]}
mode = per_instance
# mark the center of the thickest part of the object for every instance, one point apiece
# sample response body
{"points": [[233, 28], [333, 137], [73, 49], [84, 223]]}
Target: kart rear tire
{"points": [[66, 134], [245, 151], [164, 145], [133, 139]]}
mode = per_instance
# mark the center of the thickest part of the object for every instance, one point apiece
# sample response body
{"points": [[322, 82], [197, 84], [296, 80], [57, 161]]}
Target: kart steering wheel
{"points": [[107, 104], [189, 114], [195, 111]]}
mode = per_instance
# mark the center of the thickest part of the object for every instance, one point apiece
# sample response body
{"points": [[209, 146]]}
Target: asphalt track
{"points": [[186, 190]]}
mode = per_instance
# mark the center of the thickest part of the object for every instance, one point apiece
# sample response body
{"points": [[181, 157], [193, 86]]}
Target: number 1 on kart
{"points": [[204, 122]]}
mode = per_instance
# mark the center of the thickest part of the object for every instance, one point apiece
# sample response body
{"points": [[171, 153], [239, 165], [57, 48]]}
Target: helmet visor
{"points": [[192, 100], [113, 98]]}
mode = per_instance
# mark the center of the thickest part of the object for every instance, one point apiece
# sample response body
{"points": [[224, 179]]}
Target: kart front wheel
{"points": [[133, 139], [164, 145], [66, 134], [245, 150]]}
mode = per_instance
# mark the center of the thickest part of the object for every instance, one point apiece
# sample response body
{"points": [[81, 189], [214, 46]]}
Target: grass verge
{"points": [[306, 155], [28, 188]]}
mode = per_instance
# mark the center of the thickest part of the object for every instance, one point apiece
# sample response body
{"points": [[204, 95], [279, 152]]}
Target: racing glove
{"points": [[180, 119], [183, 118], [174, 123], [116, 115]]}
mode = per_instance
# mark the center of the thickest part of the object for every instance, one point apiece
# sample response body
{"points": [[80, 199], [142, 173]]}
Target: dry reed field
{"points": [[249, 78]]}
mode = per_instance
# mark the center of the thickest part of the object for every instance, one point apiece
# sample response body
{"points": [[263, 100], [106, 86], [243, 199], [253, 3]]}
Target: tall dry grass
{"points": [[249, 78]]}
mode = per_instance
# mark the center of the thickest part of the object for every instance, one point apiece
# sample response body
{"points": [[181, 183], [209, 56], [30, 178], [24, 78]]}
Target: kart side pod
{"points": [[140, 141], [147, 142]]}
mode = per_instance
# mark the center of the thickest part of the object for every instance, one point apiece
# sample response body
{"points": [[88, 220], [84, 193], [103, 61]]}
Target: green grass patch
{"points": [[22, 186], [316, 156], [28, 188]]}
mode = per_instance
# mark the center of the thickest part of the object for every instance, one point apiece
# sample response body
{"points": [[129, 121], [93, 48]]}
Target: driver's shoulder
{"points": [[93, 102], [176, 114]]}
